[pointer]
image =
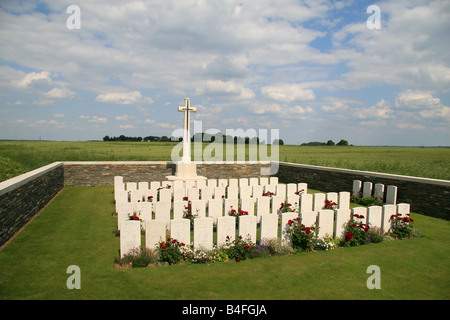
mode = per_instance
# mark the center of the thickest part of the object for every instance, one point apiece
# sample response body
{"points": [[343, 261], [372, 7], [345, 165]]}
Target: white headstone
{"points": [[243, 182], [263, 181], [344, 200], [130, 236], [222, 183], [180, 229], [233, 183], [253, 182], [403, 209], [230, 204], [178, 194], [123, 211], [193, 194], [203, 233], [319, 201], [198, 208], [247, 227], [121, 196], [309, 218], [285, 217], [342, 217], [155, 232], [248, 204], [276, 204], [291, 189], [155, 185], [131, 186], [326, 223], [178, 184], [281, 191], [200, 184], [207, 193], [391, 195], [162, 211], [226, 227], [258, 191], [367, 189], [356, 188], [143, 185], [374, 216], [145, 209], [362, 211], [306, 202], [179, 209], [293, 199], [333, 196], [378, 191], [189, 184], [269, 226], [212, 183], [215, 208], [219, 193], [388, 211], [245, 192], [262, 207], [273, 181], [165, 195], [135, 195], [302, 186], [232, 192]]}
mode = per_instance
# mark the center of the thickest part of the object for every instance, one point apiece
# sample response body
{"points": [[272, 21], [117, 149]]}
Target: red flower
{"points": [[348, 236], [247, 246], [308, 230], [237, 259]]}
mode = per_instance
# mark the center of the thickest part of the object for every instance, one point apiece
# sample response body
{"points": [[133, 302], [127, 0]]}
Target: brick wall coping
{"points": [[371, 173], [15, 182]]}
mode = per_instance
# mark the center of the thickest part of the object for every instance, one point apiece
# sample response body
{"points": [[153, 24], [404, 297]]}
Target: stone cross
{"points": [[186, 129]]}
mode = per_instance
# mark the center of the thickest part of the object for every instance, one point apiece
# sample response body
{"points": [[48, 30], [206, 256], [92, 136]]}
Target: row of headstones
{"points": [[200, 189], [368, 189], [329, 222], [216, 208]]}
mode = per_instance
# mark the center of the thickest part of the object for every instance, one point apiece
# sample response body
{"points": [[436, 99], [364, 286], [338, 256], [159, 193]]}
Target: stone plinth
{"points": [[186, 171]]}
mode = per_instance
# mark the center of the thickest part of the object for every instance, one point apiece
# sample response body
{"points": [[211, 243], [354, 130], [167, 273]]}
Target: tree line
{"points": [[197, 137], [328, 143]]}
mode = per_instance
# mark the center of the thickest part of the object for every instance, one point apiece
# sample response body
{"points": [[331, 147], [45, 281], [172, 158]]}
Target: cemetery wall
{"points": [[430, 197], [102, 173], [24, 196]]}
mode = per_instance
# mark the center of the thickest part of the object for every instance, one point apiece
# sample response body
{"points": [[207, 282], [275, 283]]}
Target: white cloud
{"points": [[33, 78], [59, 115], [126, 126], [123, 117], [97, 119], [287, 92], [60, 93], [225, 88], [133, 97]]}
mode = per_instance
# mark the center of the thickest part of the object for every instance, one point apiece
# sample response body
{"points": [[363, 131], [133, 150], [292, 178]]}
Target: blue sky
{"points": [[311, 69]]}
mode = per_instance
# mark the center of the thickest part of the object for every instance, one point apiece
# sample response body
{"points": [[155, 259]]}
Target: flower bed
{"points": [[301, 239]]}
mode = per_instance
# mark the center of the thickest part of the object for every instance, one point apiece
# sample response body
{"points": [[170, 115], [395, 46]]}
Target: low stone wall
{"points": [[24, 196], [102, 173], [430, 197]]}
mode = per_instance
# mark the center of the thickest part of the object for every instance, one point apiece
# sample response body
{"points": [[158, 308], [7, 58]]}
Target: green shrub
{"points": [[302, 238], [138, 258], [238, 249], [402, 227], [170, 251]]}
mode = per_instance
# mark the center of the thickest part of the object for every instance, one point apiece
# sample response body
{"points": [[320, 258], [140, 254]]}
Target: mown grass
{"points": [[18, 157], [76, 228]]}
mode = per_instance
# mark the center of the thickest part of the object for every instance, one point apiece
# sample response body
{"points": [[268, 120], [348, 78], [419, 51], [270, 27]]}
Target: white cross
{"points": [[186, 129]]}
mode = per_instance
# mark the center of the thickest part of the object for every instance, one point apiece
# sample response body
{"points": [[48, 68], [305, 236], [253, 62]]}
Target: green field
{"points": [[17, 157], [76, 229]]}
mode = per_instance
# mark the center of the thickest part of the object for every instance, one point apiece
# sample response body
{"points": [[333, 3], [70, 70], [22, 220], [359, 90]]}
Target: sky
{"points": [[309, 70]]}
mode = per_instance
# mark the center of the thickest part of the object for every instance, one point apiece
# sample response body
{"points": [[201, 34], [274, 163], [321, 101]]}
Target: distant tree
{"points": [[342, 143], [106, 138], [330, 143], [280, 142]]}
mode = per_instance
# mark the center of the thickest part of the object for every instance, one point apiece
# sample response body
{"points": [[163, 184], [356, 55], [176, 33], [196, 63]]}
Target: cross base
{"points": [[186, 171]]}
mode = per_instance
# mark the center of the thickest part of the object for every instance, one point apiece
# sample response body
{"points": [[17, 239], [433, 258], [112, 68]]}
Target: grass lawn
{"points": [[17, 157], [76, 229]]}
